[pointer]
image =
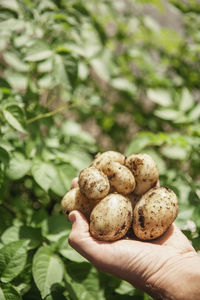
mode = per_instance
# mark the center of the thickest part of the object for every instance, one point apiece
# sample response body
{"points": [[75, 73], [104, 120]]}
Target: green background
{"points": [[78, 77]]}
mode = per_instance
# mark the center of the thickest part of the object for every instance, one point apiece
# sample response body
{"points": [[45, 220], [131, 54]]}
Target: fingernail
{"points": [[72, 217]]}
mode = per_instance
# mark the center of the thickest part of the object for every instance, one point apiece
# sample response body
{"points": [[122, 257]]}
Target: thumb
{"points": [[80, 238], [80, 225]]}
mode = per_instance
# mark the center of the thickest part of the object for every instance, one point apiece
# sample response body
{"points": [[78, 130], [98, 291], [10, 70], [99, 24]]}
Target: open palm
{"points": [[143, 264]]}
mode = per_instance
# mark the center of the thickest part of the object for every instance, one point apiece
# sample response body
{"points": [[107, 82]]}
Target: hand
{"points": [[151, 266]]}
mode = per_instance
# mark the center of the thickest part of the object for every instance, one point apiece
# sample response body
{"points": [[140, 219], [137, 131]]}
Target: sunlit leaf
{"points": [[12, 260], [174, 152], [15, 233], [159, 96], [167, 114], [15, 117], [44, 173], [47, 270], [38, 51], [18, 166], [187, 100]]}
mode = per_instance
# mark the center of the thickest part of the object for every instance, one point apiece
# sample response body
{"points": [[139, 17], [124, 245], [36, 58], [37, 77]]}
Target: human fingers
{"points": [[74, 183]]}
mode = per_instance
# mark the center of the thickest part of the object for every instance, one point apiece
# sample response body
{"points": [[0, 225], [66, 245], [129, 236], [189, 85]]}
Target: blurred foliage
{"points": [[78, 77]]}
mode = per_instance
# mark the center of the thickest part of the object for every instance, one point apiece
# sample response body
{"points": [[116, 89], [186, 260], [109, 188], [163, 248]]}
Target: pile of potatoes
{"points": [[117, 193]]}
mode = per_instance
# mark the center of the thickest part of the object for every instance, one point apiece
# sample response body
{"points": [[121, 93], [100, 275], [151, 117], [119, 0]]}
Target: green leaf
{"points": [[44, 173], [9, 292], [4, 156], [73, 129], [167, 114], [55, 227], [194, 113], [187, 101], [17, 80], [168, 40], [15, 117], [12, 4], [137, 145], [71, 67], [47, 270], [68, 252], [18, 166], [38, 218], [125, 288], [15, 62], [158, 3], [174, 152], [6, 219], [15, 233], [83, 282], [59, 72], [159, 96], [184, 214], [12, 260], [101, 68], [62, 182], [38, 51], [124, 85], [78, 157]]}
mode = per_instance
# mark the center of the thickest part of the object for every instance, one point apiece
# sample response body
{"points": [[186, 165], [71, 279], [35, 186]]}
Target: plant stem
{"points": [[49, 114]]}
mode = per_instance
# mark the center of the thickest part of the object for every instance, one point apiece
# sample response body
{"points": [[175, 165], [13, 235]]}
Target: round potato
{"points": [[75, 200], [154, 213], [120, 177], [93, 183], [111, 218], [144, 170], [102, 159]]}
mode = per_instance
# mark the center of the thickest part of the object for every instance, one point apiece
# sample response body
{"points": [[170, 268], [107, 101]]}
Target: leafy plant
{"points": [[76, 78]]}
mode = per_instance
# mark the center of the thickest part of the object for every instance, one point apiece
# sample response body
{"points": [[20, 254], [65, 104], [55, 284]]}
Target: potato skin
{"points": [[144, 170], [120, 177], [75, 200], [102, 159], [93, 183], [111, 218], [154, 213]]}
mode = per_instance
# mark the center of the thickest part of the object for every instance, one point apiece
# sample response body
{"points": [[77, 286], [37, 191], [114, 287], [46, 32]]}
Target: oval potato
{"points": [[102, 159], [93, 183], [144, 170], [154, 213], [120, 177], [111, 218], [75, 200]]}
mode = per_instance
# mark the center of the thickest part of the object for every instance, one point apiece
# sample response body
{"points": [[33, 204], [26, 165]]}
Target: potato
{"points": [[75, 200], [120, 177], [154, 213], [111, 218], [93, 183], [144, 170], [102, 159]]}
